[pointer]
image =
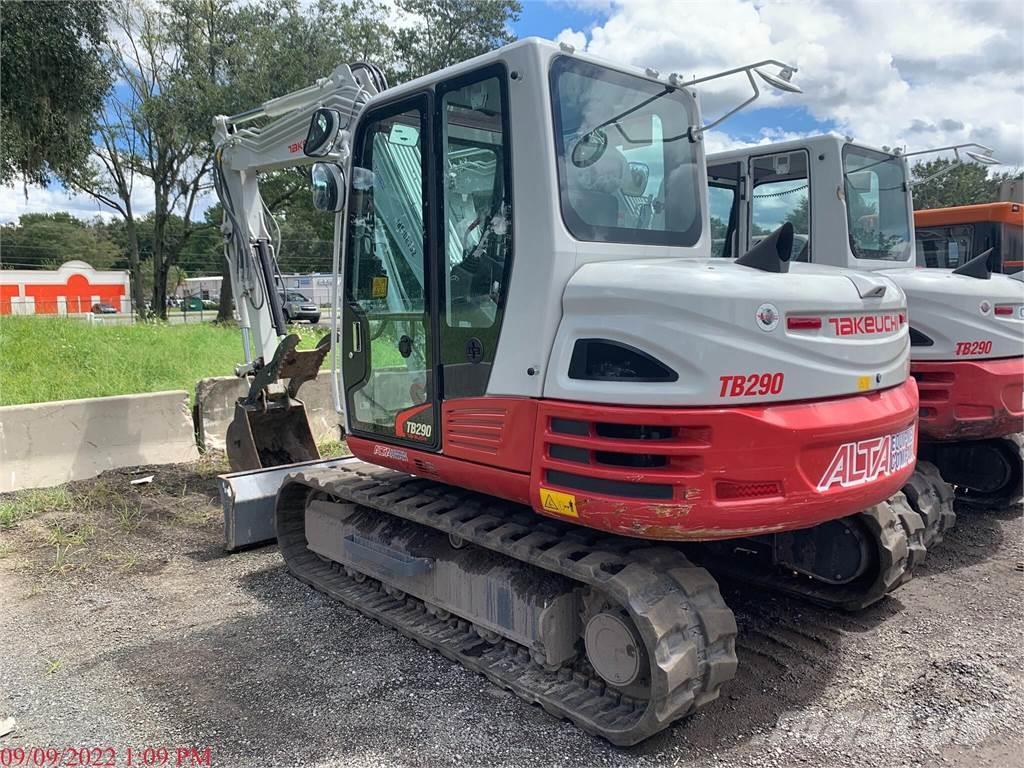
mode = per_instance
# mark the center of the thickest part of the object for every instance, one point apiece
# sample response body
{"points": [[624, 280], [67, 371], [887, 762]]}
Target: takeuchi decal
{"points": [[864, 325], [866, 460]]}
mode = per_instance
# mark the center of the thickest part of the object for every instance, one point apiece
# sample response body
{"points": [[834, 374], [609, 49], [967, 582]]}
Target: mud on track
{"points": [[146, 635]]}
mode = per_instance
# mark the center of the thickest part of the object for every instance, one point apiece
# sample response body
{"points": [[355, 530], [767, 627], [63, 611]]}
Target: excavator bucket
{"points": [[271, 429], [270, 435]]}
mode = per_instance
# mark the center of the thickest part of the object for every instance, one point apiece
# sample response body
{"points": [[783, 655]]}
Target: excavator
{"points": [[550, 386], [852, 207]]}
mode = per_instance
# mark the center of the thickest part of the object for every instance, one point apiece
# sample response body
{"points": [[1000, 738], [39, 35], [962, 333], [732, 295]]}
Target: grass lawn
{"points": [[51, 358]]}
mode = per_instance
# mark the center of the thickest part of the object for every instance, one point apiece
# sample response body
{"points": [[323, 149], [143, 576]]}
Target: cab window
{"points": [[782, 194], [944, 247], [477, 252], [877, 210], [723, 208], [627, 170]]}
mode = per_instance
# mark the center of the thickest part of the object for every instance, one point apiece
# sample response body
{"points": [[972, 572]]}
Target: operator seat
{"points": [[594, 190]]}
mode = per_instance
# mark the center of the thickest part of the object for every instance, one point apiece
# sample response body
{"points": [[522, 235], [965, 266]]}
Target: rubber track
{"points": [[898, 532], [1013, 499], [932, 498], [688, 632]]}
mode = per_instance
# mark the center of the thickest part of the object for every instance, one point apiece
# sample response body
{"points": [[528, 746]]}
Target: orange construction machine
{"points": [[950, 237]]}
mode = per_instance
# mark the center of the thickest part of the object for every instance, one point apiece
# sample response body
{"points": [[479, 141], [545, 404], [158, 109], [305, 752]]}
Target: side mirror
{"points": [[589, 148], [324, 128], [328, 187], [635, 182]]}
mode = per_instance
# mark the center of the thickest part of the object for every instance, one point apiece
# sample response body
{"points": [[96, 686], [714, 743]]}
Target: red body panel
{"points": [[490, 430], [678, 473], [970, 399]]}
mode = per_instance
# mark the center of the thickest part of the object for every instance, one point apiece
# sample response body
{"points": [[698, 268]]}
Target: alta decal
{"points": [[867, 460], [387, 452], [863, 325]]}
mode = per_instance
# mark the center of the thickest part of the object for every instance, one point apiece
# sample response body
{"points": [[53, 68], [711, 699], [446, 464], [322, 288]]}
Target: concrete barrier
{"points": [[215, 407], [45, 444]]}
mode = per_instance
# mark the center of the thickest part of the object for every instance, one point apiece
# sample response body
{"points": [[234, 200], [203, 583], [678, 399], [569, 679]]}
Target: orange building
{"points": [[71, 289]]}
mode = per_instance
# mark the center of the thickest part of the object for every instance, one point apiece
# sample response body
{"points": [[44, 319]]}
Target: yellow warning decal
{"points": [[863, 383], [559, 503], [379, 288]]}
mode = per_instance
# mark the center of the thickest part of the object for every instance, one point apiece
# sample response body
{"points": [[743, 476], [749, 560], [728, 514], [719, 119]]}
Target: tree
{"points": [[155, 129], [47, 240], [445, 32], [800, 217], [54, 82], [960, 184]]}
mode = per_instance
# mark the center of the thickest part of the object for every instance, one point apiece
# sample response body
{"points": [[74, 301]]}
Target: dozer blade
{"points": [[248, 500], [270, 434]]}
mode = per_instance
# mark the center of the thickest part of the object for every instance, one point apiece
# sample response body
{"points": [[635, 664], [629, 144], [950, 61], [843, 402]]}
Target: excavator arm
{"points": [[270, 426]]}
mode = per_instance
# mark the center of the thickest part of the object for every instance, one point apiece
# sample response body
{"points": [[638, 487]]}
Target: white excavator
{"points": [[550, 386], [852, 207]]}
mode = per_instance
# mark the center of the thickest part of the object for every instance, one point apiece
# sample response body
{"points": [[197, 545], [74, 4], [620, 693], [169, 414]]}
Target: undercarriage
{"points": [[849, 563], [620, 636], [616, 635], [986, 474]]}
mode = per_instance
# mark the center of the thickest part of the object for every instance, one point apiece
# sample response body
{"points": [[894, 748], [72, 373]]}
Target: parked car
{"points": [[102, 308], [297, 307]]}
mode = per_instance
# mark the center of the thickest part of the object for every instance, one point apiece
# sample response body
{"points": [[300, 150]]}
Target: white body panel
{"points": [[954, 310], [945, 307], [699, 317]]}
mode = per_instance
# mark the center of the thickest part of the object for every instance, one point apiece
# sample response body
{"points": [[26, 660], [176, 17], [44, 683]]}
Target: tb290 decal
{"points": [[418, 431], [973, 347], [750, 384]]}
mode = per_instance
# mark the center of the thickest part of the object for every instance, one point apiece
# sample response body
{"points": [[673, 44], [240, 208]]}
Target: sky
{"points": [[913, 74]]}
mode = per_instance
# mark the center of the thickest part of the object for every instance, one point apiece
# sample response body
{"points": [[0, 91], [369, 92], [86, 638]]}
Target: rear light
{"points": [[725, 489], [803, 323], [1004, 309]]}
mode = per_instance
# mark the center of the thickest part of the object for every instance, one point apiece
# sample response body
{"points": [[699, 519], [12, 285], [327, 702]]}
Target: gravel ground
{"points": [[144, 634]]}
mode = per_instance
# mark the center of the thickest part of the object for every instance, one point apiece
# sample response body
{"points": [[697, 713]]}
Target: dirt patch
{"points": [[108, 527], [186, 647]]}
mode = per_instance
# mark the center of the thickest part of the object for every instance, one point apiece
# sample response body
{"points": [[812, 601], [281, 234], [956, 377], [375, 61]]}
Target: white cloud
{"points": [[577, 40], [914, 74], [56, 198]]}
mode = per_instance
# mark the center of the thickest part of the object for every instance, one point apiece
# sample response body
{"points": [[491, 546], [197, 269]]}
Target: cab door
{"points": [[387, 336]]}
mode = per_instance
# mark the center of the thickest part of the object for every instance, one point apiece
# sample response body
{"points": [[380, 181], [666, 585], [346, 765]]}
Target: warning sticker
{"points": [[379, 288], [863, 383], [558, 503]]}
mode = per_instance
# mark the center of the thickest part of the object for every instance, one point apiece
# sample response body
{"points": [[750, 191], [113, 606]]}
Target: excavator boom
{"points": [[271, 427]]}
